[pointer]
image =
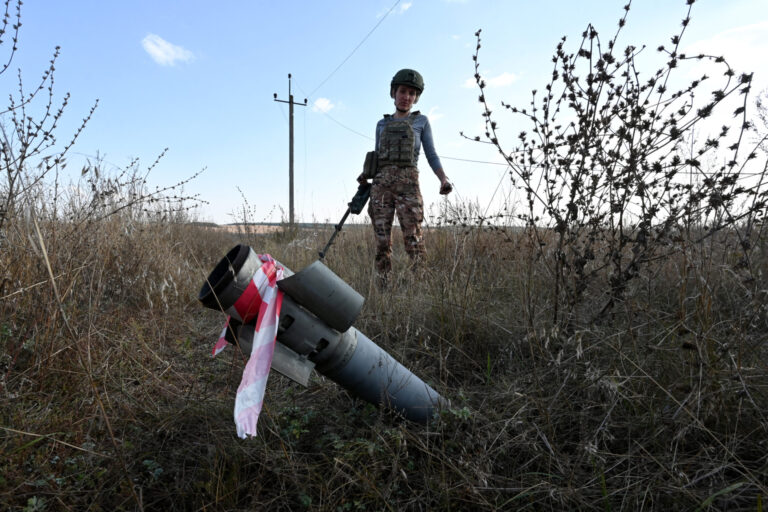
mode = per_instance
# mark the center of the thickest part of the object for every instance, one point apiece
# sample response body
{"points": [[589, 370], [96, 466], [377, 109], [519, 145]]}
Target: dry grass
{"points": [[256, 229], [110, 399]]}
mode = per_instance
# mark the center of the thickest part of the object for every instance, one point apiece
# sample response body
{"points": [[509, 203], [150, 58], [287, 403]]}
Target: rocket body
{"points": [[315, 331]]}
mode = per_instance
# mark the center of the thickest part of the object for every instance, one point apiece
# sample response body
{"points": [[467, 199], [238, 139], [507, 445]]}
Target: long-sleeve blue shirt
{"points": [[422, 136]]}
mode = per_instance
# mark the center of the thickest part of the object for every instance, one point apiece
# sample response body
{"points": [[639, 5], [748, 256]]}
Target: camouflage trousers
{"points": [[396, 190]]}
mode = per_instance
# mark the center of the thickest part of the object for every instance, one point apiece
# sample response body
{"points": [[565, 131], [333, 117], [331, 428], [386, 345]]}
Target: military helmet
{"points": [[409, 77]]}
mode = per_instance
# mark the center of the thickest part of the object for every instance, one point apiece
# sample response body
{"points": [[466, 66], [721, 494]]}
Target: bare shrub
{"points": [[611, 177], [644, 280]]}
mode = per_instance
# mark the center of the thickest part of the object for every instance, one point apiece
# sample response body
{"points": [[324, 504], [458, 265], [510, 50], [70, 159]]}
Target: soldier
{"points": [[399, 137]]}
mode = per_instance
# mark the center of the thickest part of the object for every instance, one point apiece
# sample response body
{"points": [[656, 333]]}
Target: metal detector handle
{"points": [[357, 203]]}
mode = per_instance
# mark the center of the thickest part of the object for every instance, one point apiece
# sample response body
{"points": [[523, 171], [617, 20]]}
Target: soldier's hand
{"points": [[361, 179], [446, 187]]}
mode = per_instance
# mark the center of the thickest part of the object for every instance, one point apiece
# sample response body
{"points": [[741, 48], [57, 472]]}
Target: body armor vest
{"points": [[396, 146]]}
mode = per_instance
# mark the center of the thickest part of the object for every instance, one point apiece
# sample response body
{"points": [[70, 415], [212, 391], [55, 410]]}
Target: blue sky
{"points": [[200, 80]]}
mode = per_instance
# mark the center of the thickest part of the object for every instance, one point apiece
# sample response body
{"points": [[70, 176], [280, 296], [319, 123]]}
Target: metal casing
{"points": [[315, 331], [325, 294], [370, 373]]}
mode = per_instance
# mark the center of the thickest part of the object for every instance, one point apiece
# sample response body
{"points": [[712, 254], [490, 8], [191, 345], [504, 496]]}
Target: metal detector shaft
{"points": [[355, 206], [336, 228]]}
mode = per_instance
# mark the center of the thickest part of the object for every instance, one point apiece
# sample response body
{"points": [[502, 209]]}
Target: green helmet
{"points": [[409, 77]]}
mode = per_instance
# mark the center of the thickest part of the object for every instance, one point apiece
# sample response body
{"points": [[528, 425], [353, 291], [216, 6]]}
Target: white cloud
{"points": [[163, 52], [322, 105], [403, 7], [433, 115], [501, 80]]}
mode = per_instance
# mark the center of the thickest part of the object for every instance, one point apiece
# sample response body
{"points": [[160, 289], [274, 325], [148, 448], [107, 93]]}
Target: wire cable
{"points": [[472, 161], [347, 127], [355, 49], [280, 108]]}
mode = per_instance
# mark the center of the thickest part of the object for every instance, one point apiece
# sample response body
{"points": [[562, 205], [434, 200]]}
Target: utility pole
{"points": [[290, 103]]}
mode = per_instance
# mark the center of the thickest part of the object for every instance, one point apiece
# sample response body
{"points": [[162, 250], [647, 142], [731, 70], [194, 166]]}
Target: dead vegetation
{"points": [[109, 399]]}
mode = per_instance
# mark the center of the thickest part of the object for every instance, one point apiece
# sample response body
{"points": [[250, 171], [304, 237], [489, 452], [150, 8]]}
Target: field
{"points": [[110, 399], [602, 338]]}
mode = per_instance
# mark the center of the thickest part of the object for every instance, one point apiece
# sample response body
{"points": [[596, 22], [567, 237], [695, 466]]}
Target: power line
{"points": [[371, 138], [484, 162], [347, 127], [280, 108], [441, 156], [472, 161], [355, 49], [325, 113]]}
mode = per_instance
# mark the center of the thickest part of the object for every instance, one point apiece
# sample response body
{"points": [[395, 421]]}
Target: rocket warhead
{"points": [[315, 332]]}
